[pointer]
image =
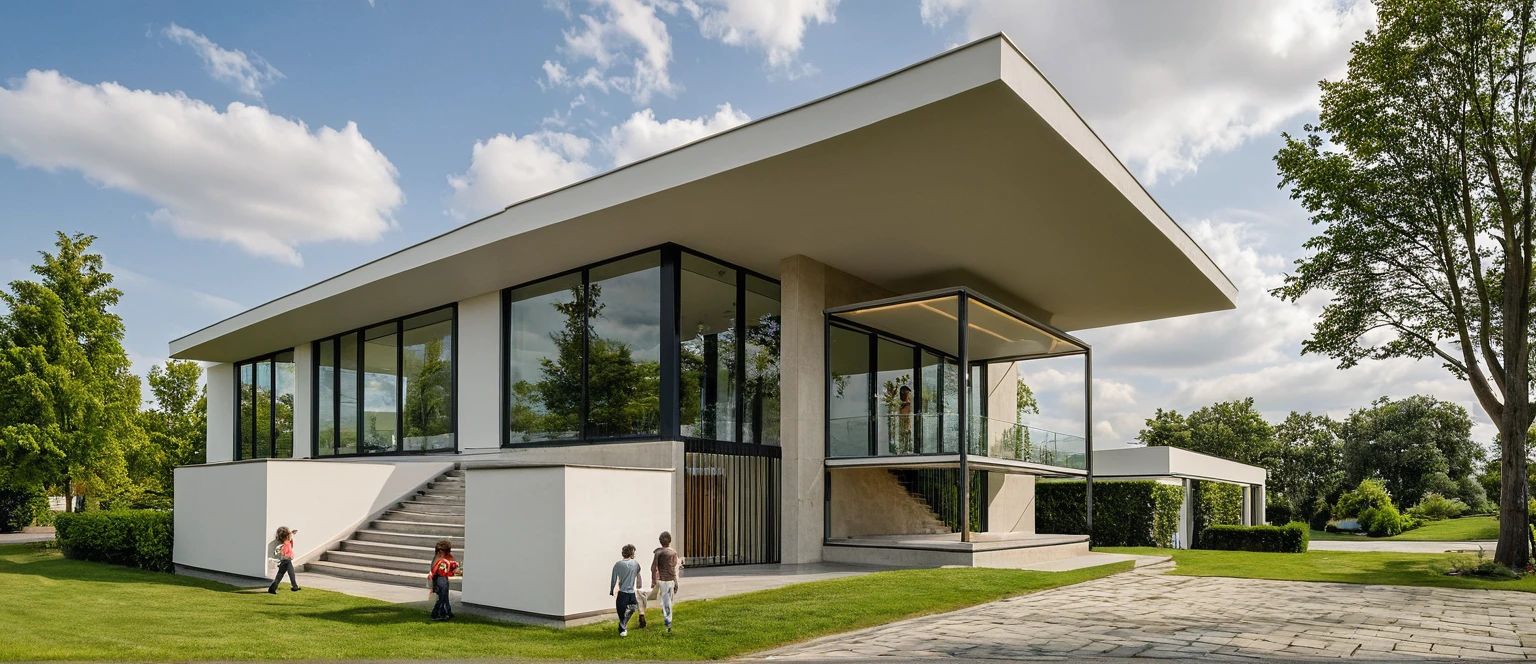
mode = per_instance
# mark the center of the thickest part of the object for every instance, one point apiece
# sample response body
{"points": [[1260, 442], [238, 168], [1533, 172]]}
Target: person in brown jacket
{"points": [[665, 570]]}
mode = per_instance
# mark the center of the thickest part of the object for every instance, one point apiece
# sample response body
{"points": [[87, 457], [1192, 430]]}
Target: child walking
{"points": [[282, 550], [625, 572], [444, 567], [665, 571]]}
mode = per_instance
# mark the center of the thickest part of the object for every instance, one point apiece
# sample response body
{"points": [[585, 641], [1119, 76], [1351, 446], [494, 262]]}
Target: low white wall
{"points": [[546, 537], [221, 517], [226, 513]]}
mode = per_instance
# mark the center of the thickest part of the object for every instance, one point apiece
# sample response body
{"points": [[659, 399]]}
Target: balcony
{"points": [[895, 387]]}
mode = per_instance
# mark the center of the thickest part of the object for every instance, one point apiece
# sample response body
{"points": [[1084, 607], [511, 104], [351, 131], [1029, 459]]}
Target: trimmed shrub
{"points": [[18, 507], [1289, 538], [1125, 513], [136, 538], [1435, 507]]}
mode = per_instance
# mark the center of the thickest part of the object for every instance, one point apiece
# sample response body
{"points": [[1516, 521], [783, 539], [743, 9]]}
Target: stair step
{"points": [[419, 528], [407, 539], [417, 552], [378, 561], [440, 498], [424, 517], [364, 573], [431, 508]]}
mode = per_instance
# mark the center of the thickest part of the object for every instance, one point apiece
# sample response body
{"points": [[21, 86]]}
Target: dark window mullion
{"points": [[399, 386], [362, 342], [272, 412], [586, 349], [873, 343], [741, 354]]}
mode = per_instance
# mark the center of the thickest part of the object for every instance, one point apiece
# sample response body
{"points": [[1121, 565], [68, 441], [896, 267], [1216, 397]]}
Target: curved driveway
{"points": [[1148, 614]]}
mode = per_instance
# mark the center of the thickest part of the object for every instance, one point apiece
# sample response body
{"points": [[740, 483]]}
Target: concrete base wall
{"points": [[548, 536], [870, 501]]}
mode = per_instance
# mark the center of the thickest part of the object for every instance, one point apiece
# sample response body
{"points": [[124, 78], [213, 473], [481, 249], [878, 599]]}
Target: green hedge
{"points": [[1216, 504], [1125, 513], [1289, 538], [137, 538]]}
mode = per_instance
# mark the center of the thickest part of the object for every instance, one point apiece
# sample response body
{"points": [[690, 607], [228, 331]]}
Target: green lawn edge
{"points": [[59, 609], [1449, 530], [1356, 567]]}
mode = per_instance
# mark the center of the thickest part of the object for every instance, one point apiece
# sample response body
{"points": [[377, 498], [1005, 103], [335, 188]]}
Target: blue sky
{"points": [[213, 184]]}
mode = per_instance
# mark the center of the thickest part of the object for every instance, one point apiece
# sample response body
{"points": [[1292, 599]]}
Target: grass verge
{"points": [[1399, 569], [71, 610], [1449, 530]]}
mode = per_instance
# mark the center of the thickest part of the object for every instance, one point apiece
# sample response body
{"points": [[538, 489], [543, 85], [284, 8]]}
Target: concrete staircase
{"points": [[398, 547]]}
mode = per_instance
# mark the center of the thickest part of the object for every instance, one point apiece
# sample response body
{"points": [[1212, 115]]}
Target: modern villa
{"points": [[799, 340]]}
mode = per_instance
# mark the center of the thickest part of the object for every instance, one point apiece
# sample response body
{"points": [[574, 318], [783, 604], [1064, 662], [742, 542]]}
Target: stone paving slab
{"points": [[1147, 614]]}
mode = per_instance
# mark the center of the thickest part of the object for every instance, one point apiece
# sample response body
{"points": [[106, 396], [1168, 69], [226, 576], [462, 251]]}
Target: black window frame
{"points": [[670, 428], [314, 396], [270, 358]]}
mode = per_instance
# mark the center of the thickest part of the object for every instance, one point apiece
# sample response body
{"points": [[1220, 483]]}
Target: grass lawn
{"points": [[1450, 530], [1401, 569], [55, 608]]}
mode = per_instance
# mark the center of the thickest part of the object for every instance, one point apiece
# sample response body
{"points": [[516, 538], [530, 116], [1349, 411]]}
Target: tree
{"points": [[68, 403], [1307, 469], [1426, 197], [1230, 430], [176, 428], [1415, 446]]}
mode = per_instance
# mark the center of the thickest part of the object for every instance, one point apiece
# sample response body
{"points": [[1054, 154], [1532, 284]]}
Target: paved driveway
{"points": [[1399, 546], [1148, 614]]}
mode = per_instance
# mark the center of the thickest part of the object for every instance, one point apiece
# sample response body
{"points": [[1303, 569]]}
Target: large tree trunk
{"points": [[69, 495], [1514, 548]]}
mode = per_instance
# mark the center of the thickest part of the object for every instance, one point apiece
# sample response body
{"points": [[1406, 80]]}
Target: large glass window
{"points": [[895, 398], [707, 314], [849, 417], [624, 348], [585, 352], [387, 388], [762, 362], [264, 414], [428, 381], [544, 360]]}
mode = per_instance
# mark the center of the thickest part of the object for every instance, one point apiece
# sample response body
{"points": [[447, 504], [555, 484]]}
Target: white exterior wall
{"points": [[303, 401], [221, 514], [227, 512], [479, 371], [558, 530], [221, 412]]}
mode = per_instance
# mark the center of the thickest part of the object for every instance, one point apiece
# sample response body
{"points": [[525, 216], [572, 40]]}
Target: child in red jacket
{"points": [[444, 567]]}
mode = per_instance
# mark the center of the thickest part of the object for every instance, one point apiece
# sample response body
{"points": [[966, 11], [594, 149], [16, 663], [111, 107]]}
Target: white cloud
{"points": [[642, 135], [248, 73], [1165, 84], [265, 183], [619, 35], [777, 27], [508, 168]]}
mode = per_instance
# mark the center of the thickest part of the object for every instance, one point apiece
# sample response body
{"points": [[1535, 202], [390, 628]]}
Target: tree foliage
{"points": [[68, 403], [1308, 466], [1420, 173], [1230, 430], [1415, 446]]}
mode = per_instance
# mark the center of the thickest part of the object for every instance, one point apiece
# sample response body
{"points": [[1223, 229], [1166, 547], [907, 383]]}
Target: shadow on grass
{"points": [[378, 615], [17, 560]]}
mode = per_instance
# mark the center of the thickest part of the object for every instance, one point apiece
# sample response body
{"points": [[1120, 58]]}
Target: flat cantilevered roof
{"points": [[967, 169]]}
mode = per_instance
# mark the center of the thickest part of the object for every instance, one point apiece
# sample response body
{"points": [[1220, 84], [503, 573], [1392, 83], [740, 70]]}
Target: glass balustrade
{"points": [[938, 433]]}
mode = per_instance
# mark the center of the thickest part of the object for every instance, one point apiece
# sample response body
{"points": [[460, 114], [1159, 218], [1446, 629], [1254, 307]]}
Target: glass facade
{"points": [[264, 412], [387, 388], [593, 354]]}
